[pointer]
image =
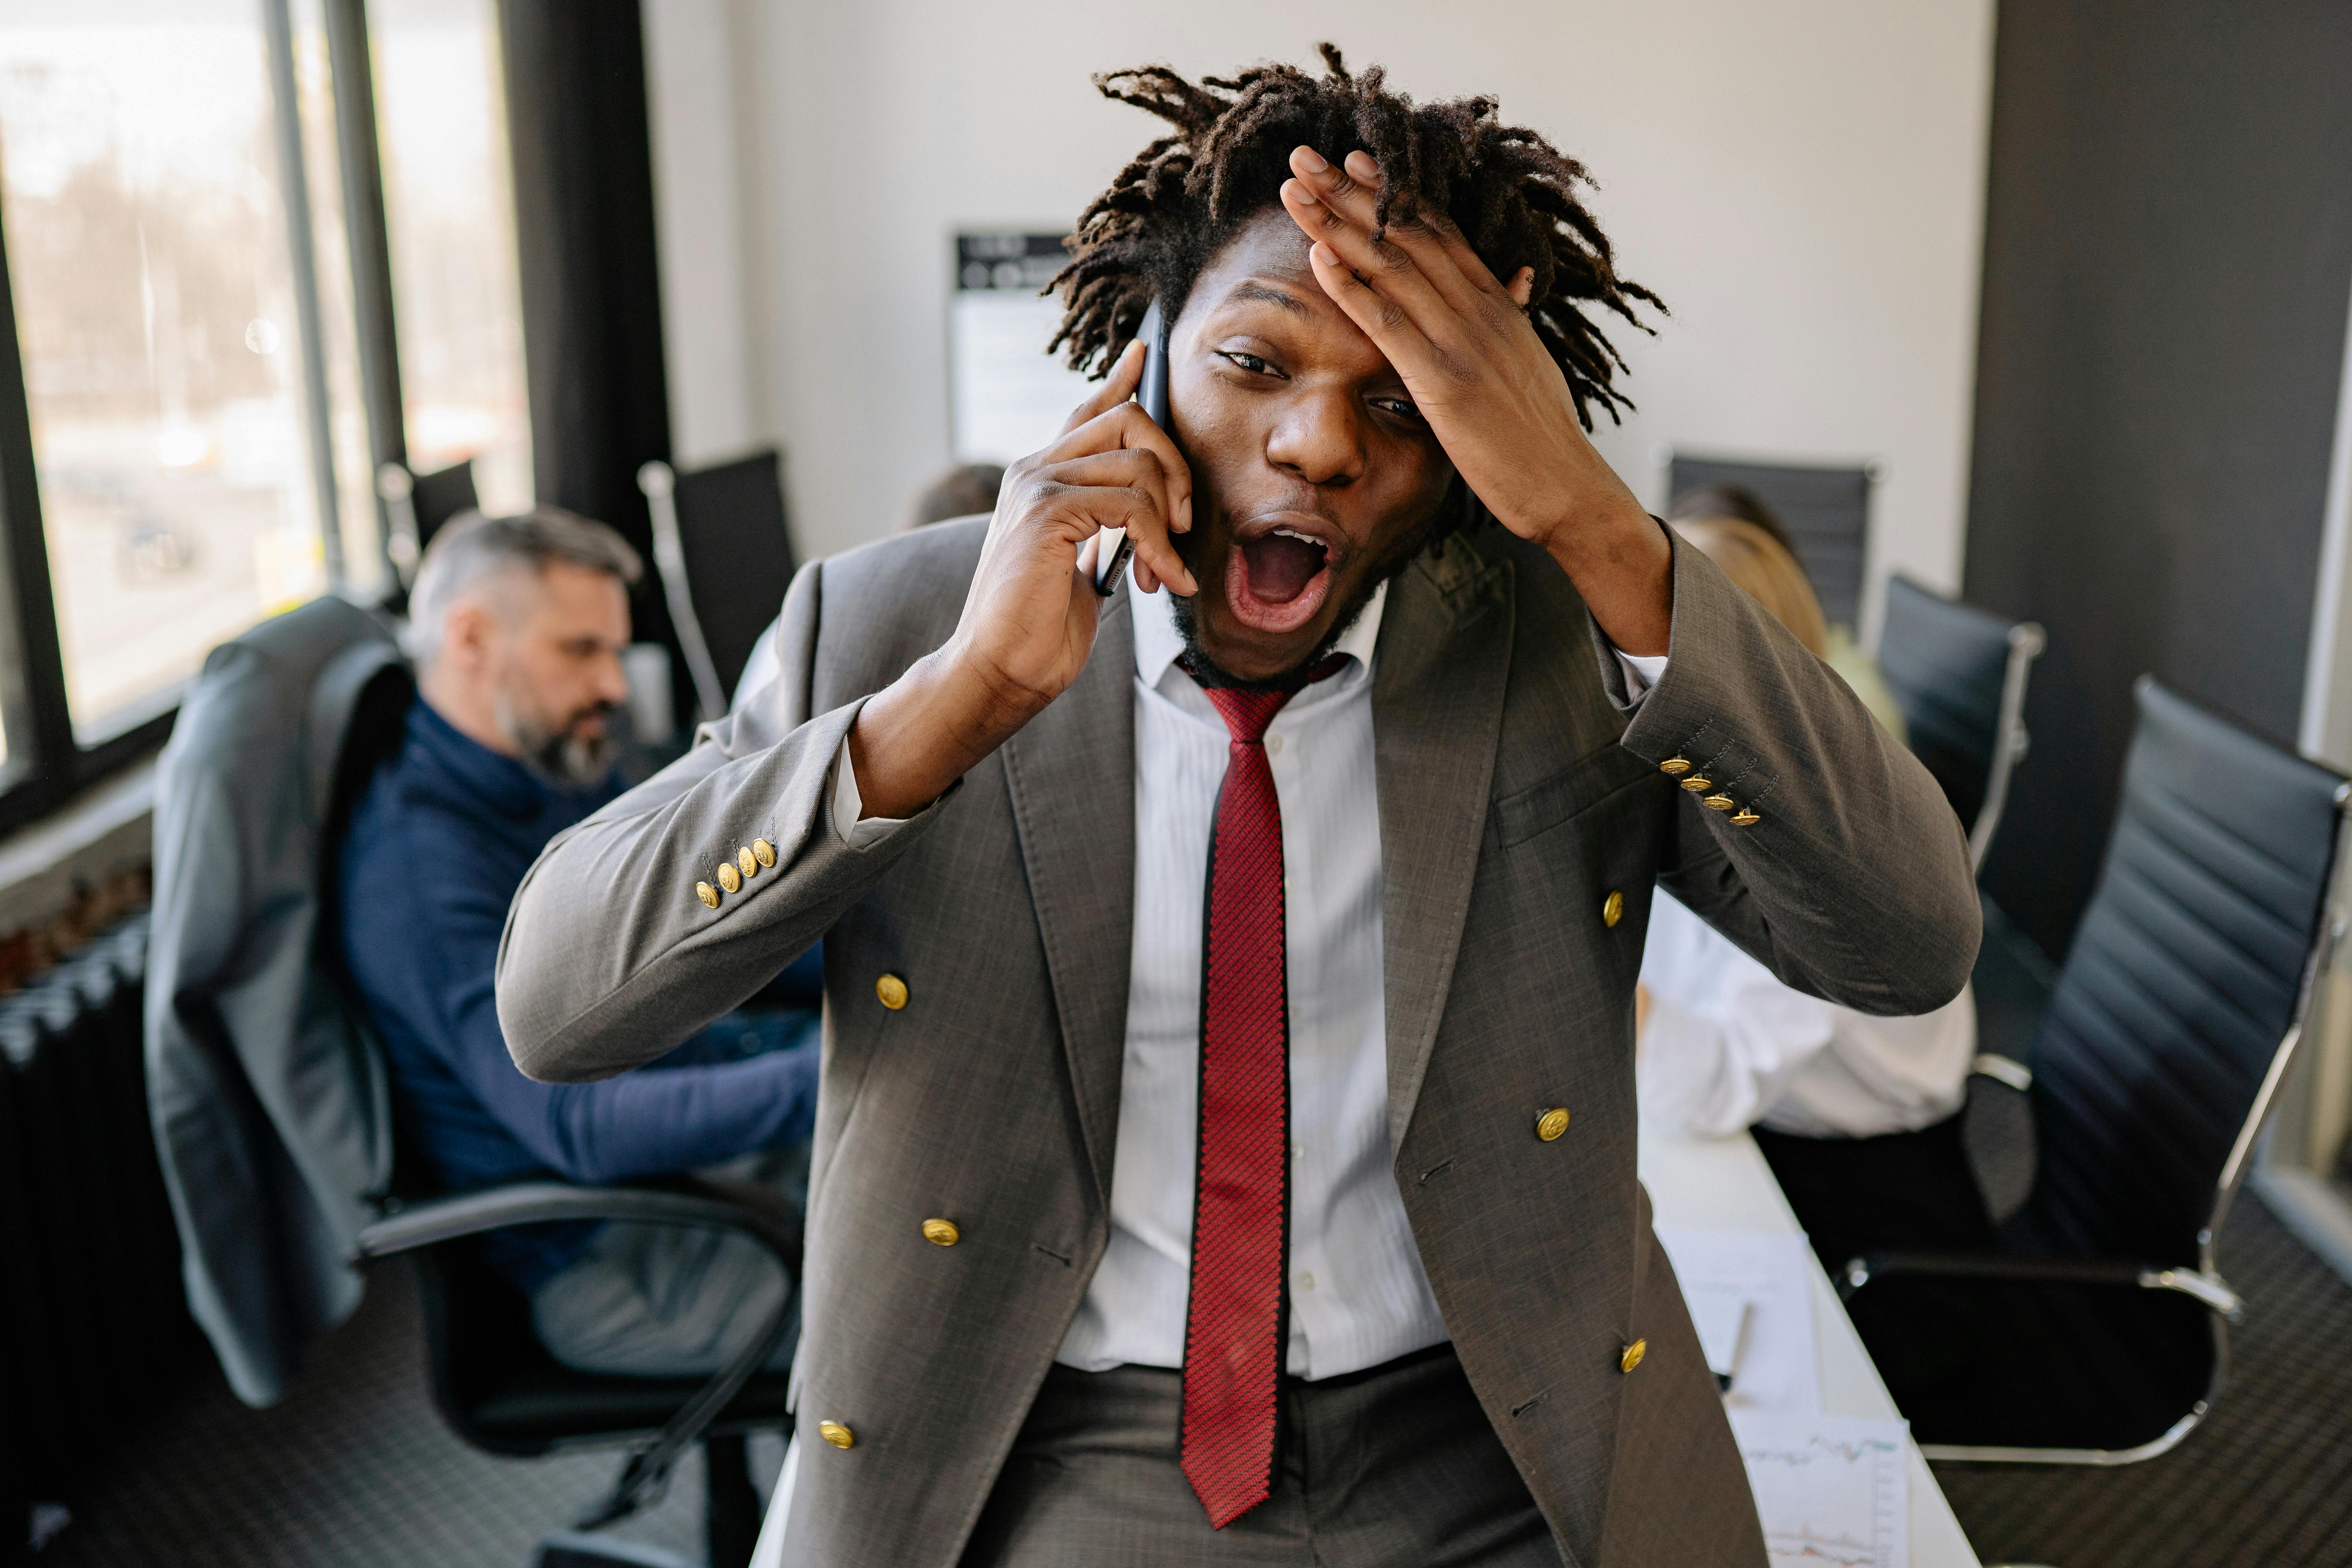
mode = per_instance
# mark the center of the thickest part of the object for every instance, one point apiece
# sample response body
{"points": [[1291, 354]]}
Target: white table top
{"points": [[1723, 1183]]}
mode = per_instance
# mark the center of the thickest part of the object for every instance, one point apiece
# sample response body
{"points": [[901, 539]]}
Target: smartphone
{"points": [[1112, 554]]}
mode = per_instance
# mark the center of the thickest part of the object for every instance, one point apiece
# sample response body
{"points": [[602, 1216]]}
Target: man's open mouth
{"points": [[1276, 580]]}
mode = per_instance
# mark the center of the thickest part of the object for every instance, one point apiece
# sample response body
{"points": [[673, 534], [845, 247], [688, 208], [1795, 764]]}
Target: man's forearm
{"points": [[927, 729], [607, 961], [1623, 568]]}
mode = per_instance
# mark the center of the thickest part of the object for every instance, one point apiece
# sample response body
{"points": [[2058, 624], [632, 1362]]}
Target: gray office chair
{"points": [[2097, 1332], [271, 1105], [1826, 511], [1959, 674]]}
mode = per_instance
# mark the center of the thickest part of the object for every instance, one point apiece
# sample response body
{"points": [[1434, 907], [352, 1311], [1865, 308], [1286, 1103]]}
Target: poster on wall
{"points": [[1007, 396]]}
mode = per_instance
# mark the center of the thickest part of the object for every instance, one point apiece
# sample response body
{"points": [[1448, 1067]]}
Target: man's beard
{"points": [[1412, 542], [559, 753]]}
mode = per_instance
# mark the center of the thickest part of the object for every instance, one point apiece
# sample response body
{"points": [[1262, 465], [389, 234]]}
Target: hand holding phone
{"points": [[1112, 554]]}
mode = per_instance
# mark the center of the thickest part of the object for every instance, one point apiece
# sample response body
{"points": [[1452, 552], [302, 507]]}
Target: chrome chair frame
{"points": [[396, 487], [658, 481], [2026, 642], [2203, 1283]]}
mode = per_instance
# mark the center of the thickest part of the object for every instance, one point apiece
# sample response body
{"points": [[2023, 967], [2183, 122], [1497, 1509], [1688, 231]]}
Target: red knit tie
{"points": [[1234, 1329]]}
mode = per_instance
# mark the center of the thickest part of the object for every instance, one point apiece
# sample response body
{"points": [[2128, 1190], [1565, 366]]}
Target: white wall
{"points": [[704, 187], [1804, 181]]}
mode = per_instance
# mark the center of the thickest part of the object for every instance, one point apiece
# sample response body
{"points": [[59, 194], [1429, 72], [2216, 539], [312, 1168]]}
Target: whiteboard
{"points": [[1007, 398]]}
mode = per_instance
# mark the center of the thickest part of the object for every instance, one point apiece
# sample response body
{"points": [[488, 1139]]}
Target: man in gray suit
{"points": [[1225, 1151]]}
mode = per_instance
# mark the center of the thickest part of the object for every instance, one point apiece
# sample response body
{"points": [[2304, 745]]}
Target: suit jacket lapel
{"points": [[1071, 776], [1444, 657]]}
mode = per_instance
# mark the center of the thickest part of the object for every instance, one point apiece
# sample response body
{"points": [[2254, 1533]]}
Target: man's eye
{"points": [[1402, 407], [1249, 362]]}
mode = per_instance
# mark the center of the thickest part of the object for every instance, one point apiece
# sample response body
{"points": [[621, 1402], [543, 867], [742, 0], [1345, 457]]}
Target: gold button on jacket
{"points": [[1673, 766], [1626, 1362], [1552, 1123], [730, 878], [1746, 819], [707, 893], [892, 992], [1697, 784], [747, 862], [941, 1231], [834, 1433], [1718, 802], [1612, 908], [763, 852]]}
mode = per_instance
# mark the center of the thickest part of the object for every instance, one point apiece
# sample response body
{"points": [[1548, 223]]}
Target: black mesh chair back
{"points": [[1827, 511], [724, 553], [2096, 1332], [2179, 1004], [1959, 674], [442, 495]]}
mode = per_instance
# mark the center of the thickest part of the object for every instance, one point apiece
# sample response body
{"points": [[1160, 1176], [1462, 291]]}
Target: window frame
{"points": [[46, 763]]}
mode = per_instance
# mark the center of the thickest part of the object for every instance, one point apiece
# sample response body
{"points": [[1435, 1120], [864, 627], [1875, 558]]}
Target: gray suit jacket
{"points": [[271, 1117], [1515, 799]]}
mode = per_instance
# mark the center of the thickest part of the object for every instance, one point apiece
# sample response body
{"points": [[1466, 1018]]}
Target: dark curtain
{"points": [[2167, 259], [591, 292]]}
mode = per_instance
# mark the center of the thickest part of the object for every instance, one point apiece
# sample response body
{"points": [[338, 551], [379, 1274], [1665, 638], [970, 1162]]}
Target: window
{"points": [[192, 290], [441, 114], [147, 246]]}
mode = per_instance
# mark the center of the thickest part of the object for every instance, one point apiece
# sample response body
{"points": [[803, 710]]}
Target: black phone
{"points": [[1112, 554]]}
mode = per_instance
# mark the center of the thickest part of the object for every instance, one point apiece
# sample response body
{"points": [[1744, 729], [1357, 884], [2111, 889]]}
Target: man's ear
{"points": [[1523, 287], [466, 632]]}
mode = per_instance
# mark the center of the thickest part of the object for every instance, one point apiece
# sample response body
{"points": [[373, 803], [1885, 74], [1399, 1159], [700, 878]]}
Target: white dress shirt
{"points": [[1359, 1296], [1727, 1046]]}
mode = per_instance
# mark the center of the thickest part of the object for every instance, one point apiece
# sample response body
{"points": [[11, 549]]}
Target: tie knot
{"points": [[1247, 712], [1248, 709]]}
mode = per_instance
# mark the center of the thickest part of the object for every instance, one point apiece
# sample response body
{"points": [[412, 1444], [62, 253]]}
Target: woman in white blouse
{"points": [[1859, 1116]]}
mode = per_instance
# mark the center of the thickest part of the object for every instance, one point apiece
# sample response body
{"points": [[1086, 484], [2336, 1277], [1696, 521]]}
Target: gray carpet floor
{"points": [[356, 1469]]}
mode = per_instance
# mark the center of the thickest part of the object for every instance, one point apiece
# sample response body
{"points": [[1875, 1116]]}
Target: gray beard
{"points": [[563, 759]]}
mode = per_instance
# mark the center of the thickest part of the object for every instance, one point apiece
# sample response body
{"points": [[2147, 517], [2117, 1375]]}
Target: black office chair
{"points": [[493, 1381], [416, 505], [1826, 511], [1959, 674], [724, 549], [2097, 1332]]}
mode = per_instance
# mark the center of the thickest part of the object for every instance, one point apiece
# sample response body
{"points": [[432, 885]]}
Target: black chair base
{"points": [[2040, 1371], [730, 1522], [570, 1549]]}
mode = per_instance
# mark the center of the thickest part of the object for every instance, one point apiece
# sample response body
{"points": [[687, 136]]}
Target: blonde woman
{"points": [[1859, 1116]]}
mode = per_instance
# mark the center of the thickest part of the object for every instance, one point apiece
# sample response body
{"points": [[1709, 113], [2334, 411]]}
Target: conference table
{"points": [[1723, 1183], [1716, 1184]]}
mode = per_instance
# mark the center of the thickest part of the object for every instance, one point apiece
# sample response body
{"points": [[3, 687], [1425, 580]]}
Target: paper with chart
{"points": [[1750, 1295], [1831, 1490]]}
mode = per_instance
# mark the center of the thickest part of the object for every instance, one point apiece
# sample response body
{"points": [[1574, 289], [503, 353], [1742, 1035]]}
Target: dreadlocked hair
{"points": [[1510, 192]]}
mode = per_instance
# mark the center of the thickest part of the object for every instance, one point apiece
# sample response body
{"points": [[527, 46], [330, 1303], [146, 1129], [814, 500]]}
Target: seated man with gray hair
{"points": [[517, 627]]}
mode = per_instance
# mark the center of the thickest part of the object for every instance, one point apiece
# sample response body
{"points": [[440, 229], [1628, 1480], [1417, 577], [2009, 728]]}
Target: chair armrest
{"points": [[2209, 1289], [2003, 1070], [432, 1221], [679, 1201]]}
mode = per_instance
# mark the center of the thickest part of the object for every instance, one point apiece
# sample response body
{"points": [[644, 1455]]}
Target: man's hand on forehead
{"points": [[1458, 336], [1492, 393]]}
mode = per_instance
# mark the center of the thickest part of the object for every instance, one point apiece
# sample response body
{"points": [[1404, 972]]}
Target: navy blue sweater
{"points": [[436, 850]]}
